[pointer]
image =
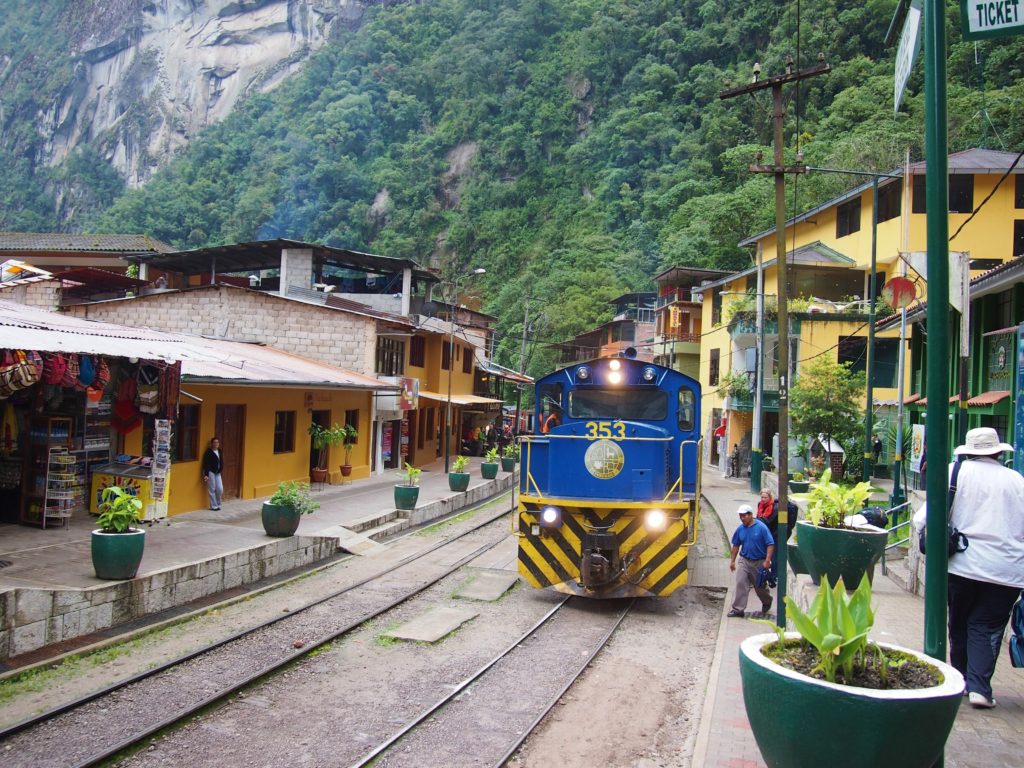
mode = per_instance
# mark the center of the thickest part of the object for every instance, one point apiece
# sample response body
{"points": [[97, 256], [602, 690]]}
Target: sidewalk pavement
{"points": [[59, 558], [51, 600], [980, 738]]}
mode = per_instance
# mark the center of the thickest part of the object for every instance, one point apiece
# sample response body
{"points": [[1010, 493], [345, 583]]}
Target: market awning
{"points": [[458, 399]]}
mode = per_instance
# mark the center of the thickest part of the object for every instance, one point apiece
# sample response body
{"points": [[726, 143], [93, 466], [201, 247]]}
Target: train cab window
{"points": [[549, 409], [686, 403], [625, 404]]}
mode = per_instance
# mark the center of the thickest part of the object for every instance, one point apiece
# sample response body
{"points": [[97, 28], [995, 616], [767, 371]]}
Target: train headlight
{"points": [[614, 365], [648, 374], [551, 517], [614, 377], [655, 520], [583, 373]]}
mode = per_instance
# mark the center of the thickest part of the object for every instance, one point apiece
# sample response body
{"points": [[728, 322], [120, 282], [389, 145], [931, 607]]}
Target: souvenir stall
{"points": [[67, 419]]}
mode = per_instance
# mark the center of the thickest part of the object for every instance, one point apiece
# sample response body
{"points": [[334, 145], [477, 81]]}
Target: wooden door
{"points": [[231, 431]]}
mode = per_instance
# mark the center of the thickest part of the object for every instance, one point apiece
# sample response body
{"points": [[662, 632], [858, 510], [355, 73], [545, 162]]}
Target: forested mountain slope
{"points": [[570, 147]]}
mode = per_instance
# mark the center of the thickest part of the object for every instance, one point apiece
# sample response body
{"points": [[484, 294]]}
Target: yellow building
{"points": [[829, 285]]}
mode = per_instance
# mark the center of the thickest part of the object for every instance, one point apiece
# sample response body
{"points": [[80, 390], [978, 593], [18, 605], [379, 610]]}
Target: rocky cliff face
{"points": [[148, 74]]}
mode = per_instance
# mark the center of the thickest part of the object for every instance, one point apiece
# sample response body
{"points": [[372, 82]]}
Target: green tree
{"points": [[826, 399]]}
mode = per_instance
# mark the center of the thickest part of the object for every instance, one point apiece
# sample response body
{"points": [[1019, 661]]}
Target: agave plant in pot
{"points": [[848, 701], [458, 478], [116, 544], [509, 457], [827, 545], [408, 491], [489, 467], [282, 511]]}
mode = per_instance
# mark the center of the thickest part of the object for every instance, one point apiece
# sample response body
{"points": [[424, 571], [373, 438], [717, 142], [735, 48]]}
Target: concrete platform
{"points": [[487, 585], [49, 593], [980, 738], [431, 626]]}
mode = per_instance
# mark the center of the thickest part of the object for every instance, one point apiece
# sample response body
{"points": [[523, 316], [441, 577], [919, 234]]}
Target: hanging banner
{"points": [[907, 52]]}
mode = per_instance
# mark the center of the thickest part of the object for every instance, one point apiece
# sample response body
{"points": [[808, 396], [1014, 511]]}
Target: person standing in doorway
{"points": [[213, 465], [753, 542], [985, 579]]}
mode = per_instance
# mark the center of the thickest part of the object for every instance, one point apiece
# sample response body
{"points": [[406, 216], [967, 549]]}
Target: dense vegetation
{"points": [[572, 147]]}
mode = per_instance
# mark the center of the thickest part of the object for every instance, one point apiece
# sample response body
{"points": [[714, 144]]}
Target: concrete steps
{"points": [[383, 531], [376, 520]]}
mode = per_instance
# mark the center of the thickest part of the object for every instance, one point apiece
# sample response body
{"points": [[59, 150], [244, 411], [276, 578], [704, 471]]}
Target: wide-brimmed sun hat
{"points": [[982, 441]]}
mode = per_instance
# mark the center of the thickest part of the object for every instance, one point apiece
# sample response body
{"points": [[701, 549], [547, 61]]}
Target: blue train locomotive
{"points": [[610, 481]]}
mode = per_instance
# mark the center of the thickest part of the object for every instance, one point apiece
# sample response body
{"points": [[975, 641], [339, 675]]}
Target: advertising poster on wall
{"points": [[916, 447]]}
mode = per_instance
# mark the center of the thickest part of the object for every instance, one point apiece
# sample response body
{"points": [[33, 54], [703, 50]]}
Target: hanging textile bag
{"points": [[53, 368], [86, 371], [17, 372], [70, 378]]}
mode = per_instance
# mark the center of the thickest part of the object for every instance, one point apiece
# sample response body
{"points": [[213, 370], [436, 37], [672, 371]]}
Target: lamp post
{"points": [[451, 297]]}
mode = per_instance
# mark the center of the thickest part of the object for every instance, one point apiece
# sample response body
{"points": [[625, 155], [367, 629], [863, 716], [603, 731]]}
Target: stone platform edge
{"points": [[32, 618]]}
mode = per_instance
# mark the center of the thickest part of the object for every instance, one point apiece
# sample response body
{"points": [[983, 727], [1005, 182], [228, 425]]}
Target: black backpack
{"points": [[773, 521]]}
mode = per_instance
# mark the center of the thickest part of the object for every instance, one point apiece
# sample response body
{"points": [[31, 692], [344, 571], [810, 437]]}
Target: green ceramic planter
{"points": [[798, 487], [839, 726], [489, 470], [835, 552], [458, 481], [406, 496], [508, 464], [117, 555], [279, 519]]}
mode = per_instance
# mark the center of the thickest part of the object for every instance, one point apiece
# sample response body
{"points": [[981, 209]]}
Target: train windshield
{"points": [[625, 404]]}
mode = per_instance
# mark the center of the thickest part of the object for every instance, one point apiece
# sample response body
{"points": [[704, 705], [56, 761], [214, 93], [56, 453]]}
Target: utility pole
{"points": [[779, 169], [522, 366]]}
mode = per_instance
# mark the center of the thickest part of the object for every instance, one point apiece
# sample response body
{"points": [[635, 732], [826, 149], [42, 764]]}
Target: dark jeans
{"points": [[978, 614]]}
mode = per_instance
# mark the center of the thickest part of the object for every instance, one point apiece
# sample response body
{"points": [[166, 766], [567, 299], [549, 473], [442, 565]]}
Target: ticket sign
{"points": [[991, 18]]}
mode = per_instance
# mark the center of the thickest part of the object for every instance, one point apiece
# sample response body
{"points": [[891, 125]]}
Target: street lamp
{"points": [[450, 289]]}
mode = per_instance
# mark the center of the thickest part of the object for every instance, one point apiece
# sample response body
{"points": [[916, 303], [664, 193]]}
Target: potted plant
{"points": [[408, 491], [510, 457], [458, 478], [489, 467], [876, 704], [322, 439], [117, 545], [799, 484], [827, 545], [347, 436], [282, 511]]}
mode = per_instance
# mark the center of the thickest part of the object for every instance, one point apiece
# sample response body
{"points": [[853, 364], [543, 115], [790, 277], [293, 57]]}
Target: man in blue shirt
{"points": [[755, 546]]}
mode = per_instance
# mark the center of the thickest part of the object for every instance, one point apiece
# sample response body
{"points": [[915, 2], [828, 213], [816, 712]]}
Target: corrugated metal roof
{"points": [[35, 241], [266, 254], [211, 361]]}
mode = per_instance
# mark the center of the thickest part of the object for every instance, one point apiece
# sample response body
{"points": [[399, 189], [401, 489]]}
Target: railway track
{"points": [[116, 719], [491, 713]]}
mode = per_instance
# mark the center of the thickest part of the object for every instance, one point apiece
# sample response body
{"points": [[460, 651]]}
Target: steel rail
{"points": [[82, 700], [371, 756], [268, 670], [557, 697]]}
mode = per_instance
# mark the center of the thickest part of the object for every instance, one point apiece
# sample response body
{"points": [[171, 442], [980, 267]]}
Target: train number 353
{"points": [[604, 430]]}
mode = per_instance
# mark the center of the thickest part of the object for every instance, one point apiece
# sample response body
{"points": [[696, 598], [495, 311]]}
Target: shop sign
{"points": [[982, 19]]}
